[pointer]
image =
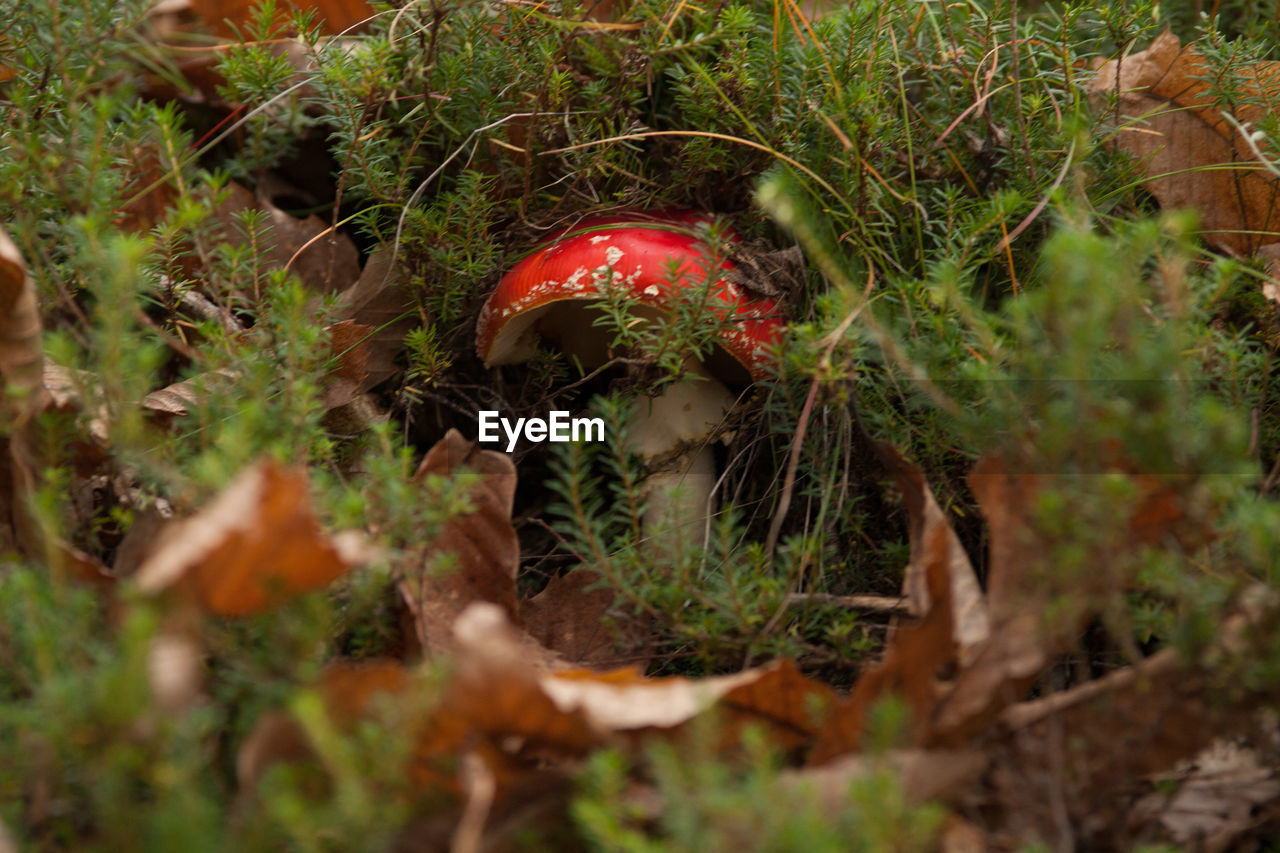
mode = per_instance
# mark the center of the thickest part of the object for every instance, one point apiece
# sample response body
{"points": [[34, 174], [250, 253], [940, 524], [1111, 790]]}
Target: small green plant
{"points": [[704, 802]]}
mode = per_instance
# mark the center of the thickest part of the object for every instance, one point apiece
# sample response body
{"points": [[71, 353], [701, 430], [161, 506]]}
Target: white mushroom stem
{"points": [[671, 430]]}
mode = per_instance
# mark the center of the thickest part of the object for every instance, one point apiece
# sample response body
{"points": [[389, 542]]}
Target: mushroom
{"points": [[652, 257]]}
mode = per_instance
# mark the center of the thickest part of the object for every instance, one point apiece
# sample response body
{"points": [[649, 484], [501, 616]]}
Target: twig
{"points": [[202, 308], [872, 603], [1029, 713], [480, 786], [1271, 478]]}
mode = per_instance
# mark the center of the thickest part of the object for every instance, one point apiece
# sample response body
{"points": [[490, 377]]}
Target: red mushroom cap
{"points": [[638, 250]]}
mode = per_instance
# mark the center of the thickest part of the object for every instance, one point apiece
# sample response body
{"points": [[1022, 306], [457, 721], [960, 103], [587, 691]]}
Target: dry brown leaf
{"points": [[776, 696], [149, 189], [1191, 155], [962, 836], [1071, 762], [1217, 798], [498, 704], [349, 348], [141, 538], [329, 262], [1017, 651], [1003, 671], [253, 546], [22, 397], [575, 617], [480, 547], [788, 705], [200, 74], [924, 775], [346, 346], [20, 350], [971, 622], [918, 652], [380, 300], [7, 73], [326, 261], [495, 705], [347, 689], [177, 400], [63, 395], [354, 417], [276, 738]]}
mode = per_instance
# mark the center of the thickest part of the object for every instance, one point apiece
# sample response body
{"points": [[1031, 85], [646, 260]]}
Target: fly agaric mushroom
{"points": [[655, 259]]}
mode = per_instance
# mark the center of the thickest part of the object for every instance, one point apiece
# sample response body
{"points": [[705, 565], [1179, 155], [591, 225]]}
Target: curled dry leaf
{"points": [[88, 449], [349, 349], [569, 711], [1016, 652], [1171, 123], [22, 397], [480, 547], [20, 350], [253, 546], [482, 553], [775, 696], [178, 399], [493, 704], [918, 652], [970, 621], [381, 301]]}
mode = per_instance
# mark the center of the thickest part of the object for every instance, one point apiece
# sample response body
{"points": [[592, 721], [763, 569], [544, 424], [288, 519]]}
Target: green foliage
{"points": [[714, 591], [260, 76], [708, 803], [1006, 290]]}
